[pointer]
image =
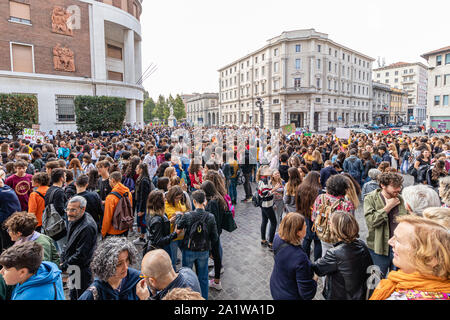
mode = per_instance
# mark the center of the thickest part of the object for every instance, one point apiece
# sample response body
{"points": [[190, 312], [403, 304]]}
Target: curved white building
{"points": [[58, 49]]}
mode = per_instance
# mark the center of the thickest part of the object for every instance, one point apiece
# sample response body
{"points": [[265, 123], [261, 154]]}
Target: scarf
{"points": [[399, 280]]}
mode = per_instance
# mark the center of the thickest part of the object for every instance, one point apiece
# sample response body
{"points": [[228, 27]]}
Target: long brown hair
{"points": [[307, 193], [295, 179]]}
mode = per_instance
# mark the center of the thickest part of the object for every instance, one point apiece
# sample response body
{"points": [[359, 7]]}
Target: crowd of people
{"points": [[72, 203]]}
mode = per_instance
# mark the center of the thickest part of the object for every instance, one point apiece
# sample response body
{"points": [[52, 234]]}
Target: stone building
{"points": [[59, 49], [303, 77]]}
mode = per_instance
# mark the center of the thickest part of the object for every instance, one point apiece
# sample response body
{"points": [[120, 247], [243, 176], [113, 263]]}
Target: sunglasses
{"points": [[143, 276]]}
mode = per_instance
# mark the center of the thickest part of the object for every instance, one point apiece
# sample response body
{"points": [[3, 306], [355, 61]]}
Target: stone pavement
{"points": [[248, 266]]}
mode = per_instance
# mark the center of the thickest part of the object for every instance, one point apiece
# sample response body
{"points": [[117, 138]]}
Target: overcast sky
{"points": [[189, 40]]}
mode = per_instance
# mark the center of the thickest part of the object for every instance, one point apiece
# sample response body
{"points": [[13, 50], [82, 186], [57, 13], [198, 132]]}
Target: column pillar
{"points": [[283, 113], [138, 60], [311, 114], [132, 114], [129, 62]]}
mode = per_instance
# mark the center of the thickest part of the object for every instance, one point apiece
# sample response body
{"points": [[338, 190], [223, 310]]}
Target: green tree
{"points": [[149, 109], [179, 110], [99, 113], [161, 109], [17, 112]]}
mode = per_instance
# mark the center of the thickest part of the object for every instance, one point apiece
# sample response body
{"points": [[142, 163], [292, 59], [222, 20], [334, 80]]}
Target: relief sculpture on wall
{"points": [[63, 59], [60, 21]]}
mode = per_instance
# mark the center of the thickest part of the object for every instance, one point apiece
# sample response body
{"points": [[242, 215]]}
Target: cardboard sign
{"points": [[342, 133], [33, 135], [288, 129]]}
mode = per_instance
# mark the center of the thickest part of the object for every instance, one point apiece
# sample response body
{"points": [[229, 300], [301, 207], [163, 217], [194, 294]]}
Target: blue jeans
{"points": [[232, 190], [200, 258], [174, 245], [383, 262], [309, 238], [141, 223]]}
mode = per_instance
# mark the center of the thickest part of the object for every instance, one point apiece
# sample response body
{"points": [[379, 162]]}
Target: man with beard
{"points": [[381, 207]]}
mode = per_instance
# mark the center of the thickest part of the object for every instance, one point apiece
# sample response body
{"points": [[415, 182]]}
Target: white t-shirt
{"points": [[152, 165]]}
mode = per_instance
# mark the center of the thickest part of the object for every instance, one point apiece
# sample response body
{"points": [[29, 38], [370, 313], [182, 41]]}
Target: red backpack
{"points": [[123, 216]]}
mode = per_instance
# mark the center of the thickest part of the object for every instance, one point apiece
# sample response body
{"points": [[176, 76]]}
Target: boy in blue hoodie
{"points": [[34, 279]]}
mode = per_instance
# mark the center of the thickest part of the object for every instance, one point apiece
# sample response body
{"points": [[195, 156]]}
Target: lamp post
{"points": [[259, 102]]}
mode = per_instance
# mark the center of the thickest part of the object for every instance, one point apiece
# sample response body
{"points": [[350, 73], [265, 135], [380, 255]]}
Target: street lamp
{"points": [[259, 102]]}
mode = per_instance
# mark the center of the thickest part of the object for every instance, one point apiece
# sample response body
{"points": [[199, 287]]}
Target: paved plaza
{"points": [[247, 265]]}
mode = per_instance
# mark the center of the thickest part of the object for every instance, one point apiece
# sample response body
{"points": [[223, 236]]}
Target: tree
{"points": [[99, 113], [17, 112], [161, 109], [149, 109], [179, 111]]}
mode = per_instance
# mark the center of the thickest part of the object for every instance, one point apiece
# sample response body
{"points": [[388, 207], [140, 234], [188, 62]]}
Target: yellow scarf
{"points": [[399, 280]]}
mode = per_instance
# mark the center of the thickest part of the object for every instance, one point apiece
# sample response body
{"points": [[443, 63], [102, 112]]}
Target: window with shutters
{"points": [[22, 59], [19, 12], [65, 108]]}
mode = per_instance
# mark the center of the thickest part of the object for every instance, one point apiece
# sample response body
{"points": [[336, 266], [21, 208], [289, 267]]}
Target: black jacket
{"points": [[283, 169], [345, 266], [94, 205], [213, 206], [143, 190], [70, 190], [159, 231], [249, 163], [81, 242], [186, 220], [59, 199]]}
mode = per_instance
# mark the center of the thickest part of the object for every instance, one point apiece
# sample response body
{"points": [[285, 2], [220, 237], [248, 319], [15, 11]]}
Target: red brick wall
{"points": [[41, 36]]}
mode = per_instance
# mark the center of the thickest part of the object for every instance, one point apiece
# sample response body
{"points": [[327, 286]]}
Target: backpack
{"points": [[256, 199], [129, 183], [53, 224], [123, 216], [198, 235], [422, 173], [321, 225]]}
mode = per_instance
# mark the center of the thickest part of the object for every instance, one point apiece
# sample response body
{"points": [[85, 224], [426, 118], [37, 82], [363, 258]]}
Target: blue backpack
{"points": [[129, 183]]}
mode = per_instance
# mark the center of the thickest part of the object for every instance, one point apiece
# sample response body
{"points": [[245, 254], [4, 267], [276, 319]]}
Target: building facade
{"points": [[302, 77], [438, 111], [203, 110], [412, 78], [59, 49], [186, 97], [399, 106], [381, 103]]}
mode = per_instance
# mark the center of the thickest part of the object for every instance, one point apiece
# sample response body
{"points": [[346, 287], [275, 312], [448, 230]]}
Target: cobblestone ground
{"points": [[247, 265]]}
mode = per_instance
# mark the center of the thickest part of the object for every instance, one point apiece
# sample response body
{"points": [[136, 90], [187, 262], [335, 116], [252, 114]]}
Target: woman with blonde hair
{"points": [[170, 172], [317, 163], [421, 250], [392, 149], [278, 202], [174, 204], [76, 168], [292, 275], [354, 190], [444, 191], [439, 214]]}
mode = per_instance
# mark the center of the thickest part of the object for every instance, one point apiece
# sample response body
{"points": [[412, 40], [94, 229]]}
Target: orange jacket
{"points": [[110, 205], [36, 204]]}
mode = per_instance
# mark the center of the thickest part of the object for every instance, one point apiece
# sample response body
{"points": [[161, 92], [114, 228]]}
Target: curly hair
{"points": [[337, 185], [390, 178], [183, 294], [106, 256], [22, 222]]}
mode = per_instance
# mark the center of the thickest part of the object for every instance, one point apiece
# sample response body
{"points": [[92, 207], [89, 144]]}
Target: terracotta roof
{"points": [[425, 55]]}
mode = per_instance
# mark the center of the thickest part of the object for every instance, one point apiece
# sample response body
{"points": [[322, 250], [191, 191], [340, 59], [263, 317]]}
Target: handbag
{"points": [[228, 222]]}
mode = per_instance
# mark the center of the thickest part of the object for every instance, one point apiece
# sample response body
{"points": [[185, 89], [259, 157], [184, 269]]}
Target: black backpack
{"points": [[198, 235]]}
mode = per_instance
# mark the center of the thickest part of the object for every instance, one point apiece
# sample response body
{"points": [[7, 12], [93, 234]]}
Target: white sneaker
{"points": [[217, 286], [212, 273]]}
